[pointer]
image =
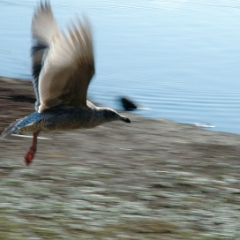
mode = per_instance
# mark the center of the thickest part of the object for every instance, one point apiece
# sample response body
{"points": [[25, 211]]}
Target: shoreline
{"points": [[22, 91], [150, 179]]}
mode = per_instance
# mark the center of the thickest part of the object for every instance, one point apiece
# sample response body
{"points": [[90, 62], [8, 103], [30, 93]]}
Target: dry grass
{"points": [[152, 179]]}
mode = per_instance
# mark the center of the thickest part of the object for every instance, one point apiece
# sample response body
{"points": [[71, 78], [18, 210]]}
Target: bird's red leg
{"points": [[30, 154]]}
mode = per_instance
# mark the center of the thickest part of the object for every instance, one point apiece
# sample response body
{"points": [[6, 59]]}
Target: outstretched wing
{"points": [[68, 68], [43, 28]]}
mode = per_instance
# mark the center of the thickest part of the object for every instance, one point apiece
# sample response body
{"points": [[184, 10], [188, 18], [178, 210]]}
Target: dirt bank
{"points": [[151, 179]]}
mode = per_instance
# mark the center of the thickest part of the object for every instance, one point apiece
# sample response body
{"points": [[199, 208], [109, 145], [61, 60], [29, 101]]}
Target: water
{"points": [[179, 58]]}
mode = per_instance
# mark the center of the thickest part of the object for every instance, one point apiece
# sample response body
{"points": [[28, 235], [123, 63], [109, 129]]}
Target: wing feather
{"points": [[68, 68], [43, 28]]}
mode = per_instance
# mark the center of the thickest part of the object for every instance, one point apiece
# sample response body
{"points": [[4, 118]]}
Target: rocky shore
{"points": [[149, 180]]}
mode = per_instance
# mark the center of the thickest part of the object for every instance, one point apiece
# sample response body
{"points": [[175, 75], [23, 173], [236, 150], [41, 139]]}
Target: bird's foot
{"points": [[30, 155]]}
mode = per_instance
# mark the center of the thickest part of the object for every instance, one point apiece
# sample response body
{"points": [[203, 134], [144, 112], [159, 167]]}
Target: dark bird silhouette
{"points": [[128, 104]]}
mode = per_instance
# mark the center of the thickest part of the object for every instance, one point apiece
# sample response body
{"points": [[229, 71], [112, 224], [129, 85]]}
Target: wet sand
{"points": [[151, 179]]}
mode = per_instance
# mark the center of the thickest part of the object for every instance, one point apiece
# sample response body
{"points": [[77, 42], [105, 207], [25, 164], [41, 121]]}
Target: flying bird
{"points": [[128, 104], [62, 68]]}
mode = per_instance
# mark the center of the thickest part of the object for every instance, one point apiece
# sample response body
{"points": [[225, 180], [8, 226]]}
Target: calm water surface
{"points": [[179, 58]]}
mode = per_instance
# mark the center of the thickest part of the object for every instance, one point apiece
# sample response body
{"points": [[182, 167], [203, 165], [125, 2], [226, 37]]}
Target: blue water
{"points": [[179, 58]]}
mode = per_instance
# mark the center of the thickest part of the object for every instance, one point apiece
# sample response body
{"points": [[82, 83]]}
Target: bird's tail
{"points": [[21, 123], [12, 128]]}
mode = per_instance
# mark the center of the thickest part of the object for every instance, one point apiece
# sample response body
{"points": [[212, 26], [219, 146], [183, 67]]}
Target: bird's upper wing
{"points": [[68, 68], [43, 28]]}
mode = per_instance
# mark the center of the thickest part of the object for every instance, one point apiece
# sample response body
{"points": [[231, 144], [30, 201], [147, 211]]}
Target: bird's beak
{"points": [[124, 119]]}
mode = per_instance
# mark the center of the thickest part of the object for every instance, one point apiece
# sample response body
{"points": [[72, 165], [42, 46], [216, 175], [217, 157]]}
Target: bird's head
{"points": [[111, 115]]}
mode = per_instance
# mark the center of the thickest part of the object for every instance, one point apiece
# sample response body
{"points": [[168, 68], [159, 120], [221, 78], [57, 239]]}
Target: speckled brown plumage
{"points": [[62, 68]]}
